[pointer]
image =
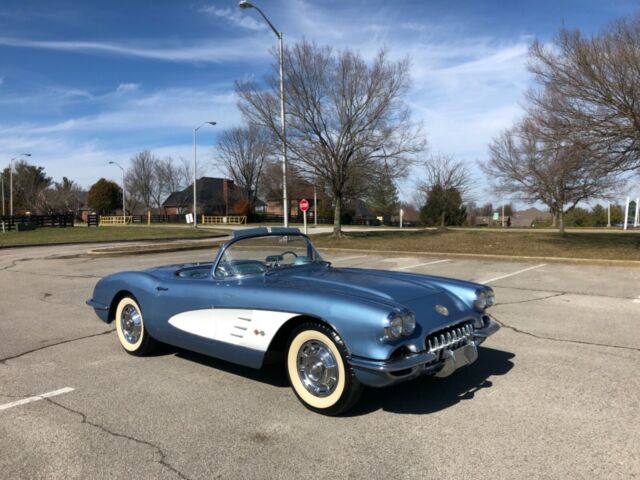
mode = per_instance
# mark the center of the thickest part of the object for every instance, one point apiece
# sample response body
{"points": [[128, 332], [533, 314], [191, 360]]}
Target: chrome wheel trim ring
{"points": [[317, 368], [131, 324]]}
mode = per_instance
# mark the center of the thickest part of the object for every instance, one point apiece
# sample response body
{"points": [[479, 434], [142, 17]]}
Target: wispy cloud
{"points": [[201, 52], [235, 17], [128, 87]]}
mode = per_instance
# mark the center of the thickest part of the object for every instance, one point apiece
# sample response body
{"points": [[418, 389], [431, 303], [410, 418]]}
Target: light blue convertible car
{"points": [[269, 296]]}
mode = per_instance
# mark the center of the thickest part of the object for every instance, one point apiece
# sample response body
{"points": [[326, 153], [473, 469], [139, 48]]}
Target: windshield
{"points": [[257, 255]]}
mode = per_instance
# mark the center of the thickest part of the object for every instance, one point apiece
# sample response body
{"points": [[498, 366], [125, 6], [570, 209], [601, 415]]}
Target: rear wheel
{"points": [[318, 370], [130, 327]]}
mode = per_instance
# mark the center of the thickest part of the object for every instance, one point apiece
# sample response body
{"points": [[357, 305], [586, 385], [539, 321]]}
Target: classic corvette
{"points": [[269, 296]]}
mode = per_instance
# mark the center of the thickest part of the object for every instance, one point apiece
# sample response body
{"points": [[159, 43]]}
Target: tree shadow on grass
{"points": [[429, 394]]}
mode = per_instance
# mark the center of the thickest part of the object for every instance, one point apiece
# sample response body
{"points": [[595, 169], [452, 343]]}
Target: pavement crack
{"points": [[163, 456], [13, 357], [558, 294], [547, 290], [563, 340]]}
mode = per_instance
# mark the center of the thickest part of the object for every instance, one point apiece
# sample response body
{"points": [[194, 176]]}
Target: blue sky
{"points": [[82, 83]]}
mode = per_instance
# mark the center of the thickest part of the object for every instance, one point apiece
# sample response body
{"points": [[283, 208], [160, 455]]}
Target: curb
{"points": [[487, 256], [148, 249], [91, 242]]}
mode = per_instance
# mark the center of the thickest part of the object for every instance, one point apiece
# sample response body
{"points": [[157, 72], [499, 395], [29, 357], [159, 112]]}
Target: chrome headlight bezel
{"points": [[399, 324], [485, 298], [408, 323]]}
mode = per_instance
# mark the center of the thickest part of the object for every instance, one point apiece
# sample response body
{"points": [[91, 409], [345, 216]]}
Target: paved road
{"points": [[555, 394]]}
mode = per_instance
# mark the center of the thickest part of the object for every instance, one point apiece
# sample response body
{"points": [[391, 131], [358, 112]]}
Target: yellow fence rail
{"points": [[228, 220], [115, 220]]}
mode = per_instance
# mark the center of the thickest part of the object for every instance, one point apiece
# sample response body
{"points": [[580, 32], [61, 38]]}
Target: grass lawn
{"points": [[609, 246], [43, 236]]}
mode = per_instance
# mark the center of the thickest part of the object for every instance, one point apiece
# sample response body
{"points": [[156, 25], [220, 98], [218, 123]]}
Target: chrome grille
{"points": [[450, 338]]}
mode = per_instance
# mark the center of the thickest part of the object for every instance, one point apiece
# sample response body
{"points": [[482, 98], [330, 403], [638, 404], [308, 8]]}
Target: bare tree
{"points": [[446, 176], [532, 164], [345, 118], [65, 196], [590, 89], [244, 152], [142, 178], [169, 178]]}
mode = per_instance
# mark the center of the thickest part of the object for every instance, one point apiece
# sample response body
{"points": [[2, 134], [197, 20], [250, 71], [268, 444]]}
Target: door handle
{"points": [[161, 289]]}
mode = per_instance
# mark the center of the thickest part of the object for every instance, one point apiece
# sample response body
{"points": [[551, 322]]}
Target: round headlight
{"points": [[491, 298], [395, 326], [408, 323], [481, 300], [394, 330]]}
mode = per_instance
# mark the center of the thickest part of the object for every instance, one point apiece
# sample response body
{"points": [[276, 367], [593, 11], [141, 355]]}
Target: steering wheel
{"points": [[289, 252]]}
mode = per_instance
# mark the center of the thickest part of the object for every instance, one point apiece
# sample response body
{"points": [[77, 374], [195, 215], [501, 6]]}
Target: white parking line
{"points": [[17, 403], [423, 264], [512, 274], [349, 258]]}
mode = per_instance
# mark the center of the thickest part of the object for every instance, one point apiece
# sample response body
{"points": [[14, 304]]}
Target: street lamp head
{"points": [[26, 154], [211, 123], [111, 162], [245, 4]]}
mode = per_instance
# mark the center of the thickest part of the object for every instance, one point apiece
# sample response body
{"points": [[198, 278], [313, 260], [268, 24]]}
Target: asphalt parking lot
{"points": [[554, 394]]}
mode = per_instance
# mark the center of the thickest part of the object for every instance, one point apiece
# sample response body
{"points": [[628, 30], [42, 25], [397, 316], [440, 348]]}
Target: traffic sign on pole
{"points": [[304, 206]]}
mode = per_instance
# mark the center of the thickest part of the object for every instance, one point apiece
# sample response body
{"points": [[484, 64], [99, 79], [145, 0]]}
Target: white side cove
{"points": [[247, 328]]}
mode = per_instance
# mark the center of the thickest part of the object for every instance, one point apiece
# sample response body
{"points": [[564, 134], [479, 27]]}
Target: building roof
{"points": [[210, 191]]}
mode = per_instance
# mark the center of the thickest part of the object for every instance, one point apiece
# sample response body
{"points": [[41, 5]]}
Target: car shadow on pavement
{"points": [[429, 394], [272, 374]]}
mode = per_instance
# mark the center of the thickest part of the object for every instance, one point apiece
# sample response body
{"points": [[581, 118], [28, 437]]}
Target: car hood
{"points": [[378, 285]]}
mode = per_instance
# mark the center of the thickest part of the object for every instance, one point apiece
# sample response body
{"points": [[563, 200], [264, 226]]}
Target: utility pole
{"points": [[315, 206]]}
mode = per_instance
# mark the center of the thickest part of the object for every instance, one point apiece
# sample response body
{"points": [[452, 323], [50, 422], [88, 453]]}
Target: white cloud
{"points": [[127, 87], [236, 17], [218, 51]]}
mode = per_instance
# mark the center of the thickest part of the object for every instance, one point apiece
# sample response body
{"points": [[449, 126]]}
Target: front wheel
{"points": [[130, 327], [318, 370]]}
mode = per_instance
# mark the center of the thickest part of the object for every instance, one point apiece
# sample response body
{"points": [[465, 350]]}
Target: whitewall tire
{"points": [[318, 370], [130, 327]]}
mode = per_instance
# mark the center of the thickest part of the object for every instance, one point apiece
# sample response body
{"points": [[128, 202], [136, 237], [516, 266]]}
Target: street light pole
{"points": [[11, 181], [285, 197], [195, 166], [3, 194], [124, 210]]}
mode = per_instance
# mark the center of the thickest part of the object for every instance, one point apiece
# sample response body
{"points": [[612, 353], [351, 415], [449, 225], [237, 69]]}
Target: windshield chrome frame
{"points": [[225, 246]]}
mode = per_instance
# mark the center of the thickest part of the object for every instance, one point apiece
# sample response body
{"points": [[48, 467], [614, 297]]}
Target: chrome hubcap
{"points": [[131, 324], [317, 368]]}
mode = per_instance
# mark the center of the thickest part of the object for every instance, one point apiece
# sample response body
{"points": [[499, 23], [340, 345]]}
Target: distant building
{"points": [[214, 196], [526, 218]]}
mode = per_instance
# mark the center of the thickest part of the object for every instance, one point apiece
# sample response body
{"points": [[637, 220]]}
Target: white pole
{"points": [[626, 213], [11, 188], [315, 207], [502, 214], [304, 216], [635, 220], [124, 206], [609, 215], [285, 197], [195, 215], [3, 197], [401, 214]]}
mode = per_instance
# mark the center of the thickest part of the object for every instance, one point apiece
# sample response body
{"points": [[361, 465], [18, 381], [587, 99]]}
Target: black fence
{"points": [[31, 222], [158, 218]]}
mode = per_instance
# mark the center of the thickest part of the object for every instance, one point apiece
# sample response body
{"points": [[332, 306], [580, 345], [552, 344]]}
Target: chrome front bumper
{"points": [[377, 373]]}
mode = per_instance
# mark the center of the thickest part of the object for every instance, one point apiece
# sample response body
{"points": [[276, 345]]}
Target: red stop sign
{"points": [[304, 205]]}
